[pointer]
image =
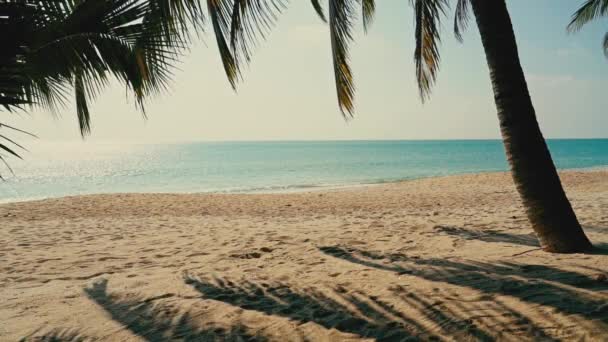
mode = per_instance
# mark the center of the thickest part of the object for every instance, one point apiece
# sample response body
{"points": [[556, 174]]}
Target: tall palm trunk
{"points": [[534, 173]]}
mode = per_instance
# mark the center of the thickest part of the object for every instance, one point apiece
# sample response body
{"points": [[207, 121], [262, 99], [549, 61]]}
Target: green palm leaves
{"points": [[63, 44], [51, 48], [8, 145], [340, 25], [589, 11], [238, 25], [461, 18], [427, 15], [241, 23]]}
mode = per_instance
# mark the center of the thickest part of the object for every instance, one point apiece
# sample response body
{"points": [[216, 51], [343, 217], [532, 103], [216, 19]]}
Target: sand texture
{"points": [[448, 258]]}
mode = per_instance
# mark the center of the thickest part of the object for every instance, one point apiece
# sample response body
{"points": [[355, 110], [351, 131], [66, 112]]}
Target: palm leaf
{"points": [[9, 146], [368, 9], [9, 150], [341, 16], [461, 18], [82, 108], [316, 4], [137, 42], [220, 12], [589, 11], [427, 15], [251, 21]]}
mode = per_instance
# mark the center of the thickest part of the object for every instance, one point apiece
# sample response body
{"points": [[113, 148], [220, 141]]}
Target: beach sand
{"points": [[449, 258]]}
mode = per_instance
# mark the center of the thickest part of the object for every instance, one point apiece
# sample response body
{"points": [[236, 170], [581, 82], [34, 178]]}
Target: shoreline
{"points": [[296, 189]]}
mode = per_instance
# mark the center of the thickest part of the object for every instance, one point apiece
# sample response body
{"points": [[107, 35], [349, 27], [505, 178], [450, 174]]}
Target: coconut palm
{"points": [[589, 11], [238, 24], [532, 167], [53, 47]]}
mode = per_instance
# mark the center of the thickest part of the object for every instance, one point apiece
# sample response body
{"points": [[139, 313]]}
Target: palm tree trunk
{"points": [[534, 173]]}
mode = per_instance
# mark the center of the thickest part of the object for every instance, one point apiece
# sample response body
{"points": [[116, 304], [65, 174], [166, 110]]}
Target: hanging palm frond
{"points": [[316, 4], [589, 11], [461, 18], [8, 145], [341, 16], [251, 20], [52, 46], [368, 9], [427, 15], [137, 42], [220, 12]]}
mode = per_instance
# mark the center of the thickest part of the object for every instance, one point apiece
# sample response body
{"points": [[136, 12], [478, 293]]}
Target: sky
{"points": [[288, 91]]}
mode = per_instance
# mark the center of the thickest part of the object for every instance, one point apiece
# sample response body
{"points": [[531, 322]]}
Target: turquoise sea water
{"points": [[54, 169]]}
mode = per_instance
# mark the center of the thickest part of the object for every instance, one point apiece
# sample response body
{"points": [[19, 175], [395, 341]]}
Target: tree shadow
{"points": [[599, 249], [567, 292], [161, 322], [595, 229], [497, 321], [58, 335], [490, 236], [310, 305], [406, 315]]}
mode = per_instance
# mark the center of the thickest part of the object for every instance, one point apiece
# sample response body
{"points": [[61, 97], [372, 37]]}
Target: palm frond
{"points": [[82, 108], [427, 14], [251, 20], [136, 42], [220, 12], [8, 145], [9, 150], [461, 18], [589, 11], [341, 16], [368, 9], [316, 4], [176, 18], [51, 48]]}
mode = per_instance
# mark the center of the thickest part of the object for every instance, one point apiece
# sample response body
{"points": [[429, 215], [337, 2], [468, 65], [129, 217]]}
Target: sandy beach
{"points": [[449, 258]]}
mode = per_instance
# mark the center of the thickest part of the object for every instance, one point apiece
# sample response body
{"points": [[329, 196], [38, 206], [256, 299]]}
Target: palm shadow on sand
{"points": [[313, 306], [567, 292], [494, 236], [404, 314], [59, 335], [153, 322], [370, 316], [489, 236], [599, 248]]}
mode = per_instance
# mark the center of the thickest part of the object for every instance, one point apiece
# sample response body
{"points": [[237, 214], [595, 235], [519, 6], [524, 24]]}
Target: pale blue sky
{"points": [[289, 92]]}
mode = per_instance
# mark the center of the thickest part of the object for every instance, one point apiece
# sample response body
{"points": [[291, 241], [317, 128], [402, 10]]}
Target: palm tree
{"points": [[53, 47], [534, 173], [136, 41], [532, 168], [590, 10]]}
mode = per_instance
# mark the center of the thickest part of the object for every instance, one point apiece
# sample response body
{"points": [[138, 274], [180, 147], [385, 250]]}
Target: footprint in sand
{"points": [[247, 255], [252, 254]]}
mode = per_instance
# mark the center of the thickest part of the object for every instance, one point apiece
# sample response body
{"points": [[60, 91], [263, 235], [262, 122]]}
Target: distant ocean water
{"points": [[56, 169]]}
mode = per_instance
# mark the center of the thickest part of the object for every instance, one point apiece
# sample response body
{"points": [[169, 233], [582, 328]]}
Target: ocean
{"points": [[62, 169]]}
